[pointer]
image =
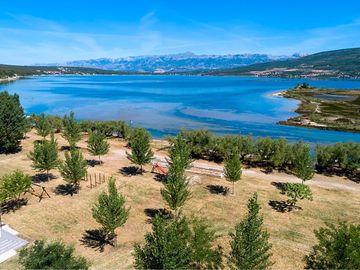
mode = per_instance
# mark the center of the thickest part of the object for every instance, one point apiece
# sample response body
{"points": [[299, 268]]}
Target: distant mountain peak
{"points": [[186, 61]]}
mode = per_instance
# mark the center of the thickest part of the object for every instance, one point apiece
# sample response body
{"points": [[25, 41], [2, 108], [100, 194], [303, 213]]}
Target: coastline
{"points": [[9, 79]]}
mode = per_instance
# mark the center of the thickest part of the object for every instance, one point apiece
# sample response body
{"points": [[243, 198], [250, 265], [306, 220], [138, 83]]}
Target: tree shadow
{"points": [[218, 189], [283, 206], [152, 212], [96, 239], [130, 170], [42, 177], [12, 205], [11, 150], [160, 178], [66, 189], [93, 162], [279, 185], [267, 170], [65, 148]]}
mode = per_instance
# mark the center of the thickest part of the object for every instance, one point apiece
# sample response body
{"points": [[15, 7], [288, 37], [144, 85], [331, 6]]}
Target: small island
{"points": [[325, 108]]}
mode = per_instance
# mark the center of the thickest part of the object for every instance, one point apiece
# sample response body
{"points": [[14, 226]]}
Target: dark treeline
{"points": [[265, 152]]}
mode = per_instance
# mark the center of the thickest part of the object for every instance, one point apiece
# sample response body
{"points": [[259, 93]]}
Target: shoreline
{"points": [[9, 79]]}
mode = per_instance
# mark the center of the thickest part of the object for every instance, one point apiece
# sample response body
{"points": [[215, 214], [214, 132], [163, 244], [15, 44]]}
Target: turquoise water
{"points": [[164, 104]]}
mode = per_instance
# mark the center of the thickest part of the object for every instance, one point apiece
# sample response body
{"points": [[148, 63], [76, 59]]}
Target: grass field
{"points": [[67, 218]]}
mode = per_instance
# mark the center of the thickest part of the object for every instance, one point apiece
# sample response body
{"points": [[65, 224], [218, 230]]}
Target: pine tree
{"points": [[71, 129], [178, 244], [73, 169], [42, 125], [176, 191], [232, 168], [250, 248], [181, 152], [97, 144], [13, 123], [141, 153], [45, 156], [110, 210]]}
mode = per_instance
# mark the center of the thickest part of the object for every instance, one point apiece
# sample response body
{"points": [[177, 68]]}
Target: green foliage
{"points": [[13, 123], [73, 169], [54, 255], [303, 162], [141, 153], [42, 125], [175, 244], [232, 167], [338, 247], [179, 153], [13, 185], [295, 192], [110, 210], [45, 155], [97, 144], [71, 131], [250, 248]]}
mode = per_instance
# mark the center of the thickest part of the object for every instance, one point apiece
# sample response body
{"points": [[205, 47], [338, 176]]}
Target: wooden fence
{"points": [[94, 179]]}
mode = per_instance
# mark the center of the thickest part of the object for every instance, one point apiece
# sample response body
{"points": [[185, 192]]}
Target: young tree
{"points": [[295, 192], [13, 185], [141, 153], [110, 211], [13, 123], [42, 125], [338, 248], [45, 156], [176, 191], [97, 144], [71, 131], [303, 162], [250, 248], [54, 255], [180, 152], [73, 169], [232, 168], [178, 244]]}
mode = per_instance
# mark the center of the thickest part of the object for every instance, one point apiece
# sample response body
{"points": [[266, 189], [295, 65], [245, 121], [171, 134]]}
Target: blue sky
{"points": [[44, 31]]}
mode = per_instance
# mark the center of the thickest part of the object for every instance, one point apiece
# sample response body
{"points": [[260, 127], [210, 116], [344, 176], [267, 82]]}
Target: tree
{"points": [[176, 191], [45, 156], [303, 162], [13, 185], [73, 169], [178, 244], [97, 144], [180, 152], [110, 210], [250, 248], [338, 248], [13, 123], [54, 255], [42, 125], [141, 153], [232, 168], [295, 192], [72, 131]]}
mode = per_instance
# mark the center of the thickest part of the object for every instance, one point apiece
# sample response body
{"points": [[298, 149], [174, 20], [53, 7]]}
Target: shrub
{"points": [[54, 255], [296, 192], [338, 247], [13, 185]]}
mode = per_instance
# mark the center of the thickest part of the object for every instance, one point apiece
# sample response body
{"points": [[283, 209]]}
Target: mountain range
{"points": [[181, 62]]}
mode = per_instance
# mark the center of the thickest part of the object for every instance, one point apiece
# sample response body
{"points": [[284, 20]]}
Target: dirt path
{"points": [[212, 169]]}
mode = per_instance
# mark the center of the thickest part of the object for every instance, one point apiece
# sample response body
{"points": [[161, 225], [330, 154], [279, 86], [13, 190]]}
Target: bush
{"points": [[338, 248], [13, 185], [295, 192], [51, 256]]}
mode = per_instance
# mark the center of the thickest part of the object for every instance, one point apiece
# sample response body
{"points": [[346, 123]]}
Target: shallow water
{"points": [[164, 104]]}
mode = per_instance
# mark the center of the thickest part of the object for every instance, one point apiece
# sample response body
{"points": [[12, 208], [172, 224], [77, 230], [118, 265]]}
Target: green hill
{"points": [[11, 70], [343, 63]]}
